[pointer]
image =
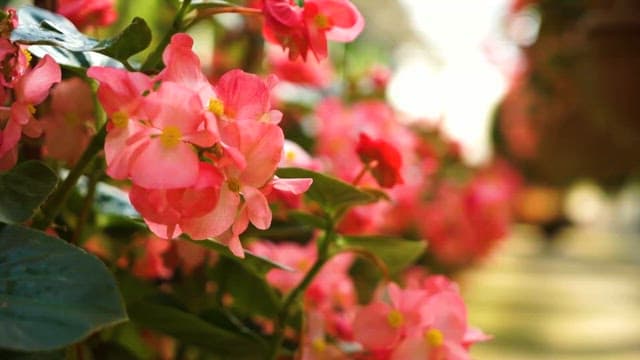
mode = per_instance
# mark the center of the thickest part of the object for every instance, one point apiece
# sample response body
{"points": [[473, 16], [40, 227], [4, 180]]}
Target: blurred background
{"points": [[552, 86]]}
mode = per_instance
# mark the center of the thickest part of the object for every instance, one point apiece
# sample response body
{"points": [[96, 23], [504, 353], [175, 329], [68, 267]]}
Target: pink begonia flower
{"points": [[86, 13], [30, 90], [68, 127], [424, 322], [308, 73], [120, 93], [241, 200], [164, 210], [306, 29]]}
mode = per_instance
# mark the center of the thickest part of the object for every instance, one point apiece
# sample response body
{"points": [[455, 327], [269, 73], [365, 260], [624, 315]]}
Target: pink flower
{"points": [[68, 126], [309, 73], [30, 90], [86, 13], [306, 29]]}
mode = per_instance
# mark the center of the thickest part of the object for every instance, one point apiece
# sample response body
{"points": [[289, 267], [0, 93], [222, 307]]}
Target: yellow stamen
{"points": [[319, 345], [120, 119], [395, 318], [290, 156], [27, 54], [31, 108], [434, 338], [170, 137], [216, 107]]}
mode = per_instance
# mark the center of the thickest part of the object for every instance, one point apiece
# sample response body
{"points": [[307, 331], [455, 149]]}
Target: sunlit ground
{"points": [[579, 299]]}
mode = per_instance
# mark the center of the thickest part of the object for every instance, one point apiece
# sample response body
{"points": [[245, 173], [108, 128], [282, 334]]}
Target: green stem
{"points": [[87, 205], [155, 56], [55, 201], [294, 295]]}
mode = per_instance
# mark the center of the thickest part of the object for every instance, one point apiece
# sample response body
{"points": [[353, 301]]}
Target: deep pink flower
{"points": [[308, 73], [384, 160], [30, 90], [306, 29], [86, 13]]}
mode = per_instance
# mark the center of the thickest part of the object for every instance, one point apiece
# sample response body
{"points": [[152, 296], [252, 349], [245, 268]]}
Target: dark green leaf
{"points": [[332, 194], [52, 294], [133, 39], [23, 189], [308, 219], [41, 27], [190, 329], [396, 253], [255, 263], [250, 292]]}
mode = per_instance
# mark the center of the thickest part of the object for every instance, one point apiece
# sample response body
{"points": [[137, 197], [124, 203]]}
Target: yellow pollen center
{"points": [[434, 338], [322, 22], [290, 156], [170, 137], [120, 119], [395, 318], [216, 107], [31, 108], [234, 185], [319, 344], [27, 54]]}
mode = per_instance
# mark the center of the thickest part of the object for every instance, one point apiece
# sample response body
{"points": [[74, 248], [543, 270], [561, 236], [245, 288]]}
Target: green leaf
{"points": [[250, 292], [52, 294], [133, 39], [257, 264], [23, 189], [205, 4], [41, 27], [190, 329], [332, 194], [396, 253]]}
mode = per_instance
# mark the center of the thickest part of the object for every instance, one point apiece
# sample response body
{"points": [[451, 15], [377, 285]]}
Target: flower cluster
{"points": [[201, 157], [425, 321], [21, 89], [306, 28]]}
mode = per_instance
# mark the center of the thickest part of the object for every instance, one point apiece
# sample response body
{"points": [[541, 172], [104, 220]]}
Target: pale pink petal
{"points": [[292, 186], [174, 105], [34, 86], [9, 159], [412, 348], [262, 148], [202, 138], [164, 231], [157, 167], [245, 96], [346, 20], [10, 136], [119, 90], [257, 207]]}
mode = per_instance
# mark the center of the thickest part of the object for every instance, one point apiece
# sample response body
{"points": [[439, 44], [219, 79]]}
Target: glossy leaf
{"points": [[23, 189], [77, 61], [41, 27], [397, 254], [332, 194], [190, 329], [52, 294]]}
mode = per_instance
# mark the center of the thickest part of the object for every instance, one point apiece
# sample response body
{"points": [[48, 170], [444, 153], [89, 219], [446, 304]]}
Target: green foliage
{"points": [[333, 195], [41, 27], [52, 294], [23, 189], [193, 330], [397, 254]]}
